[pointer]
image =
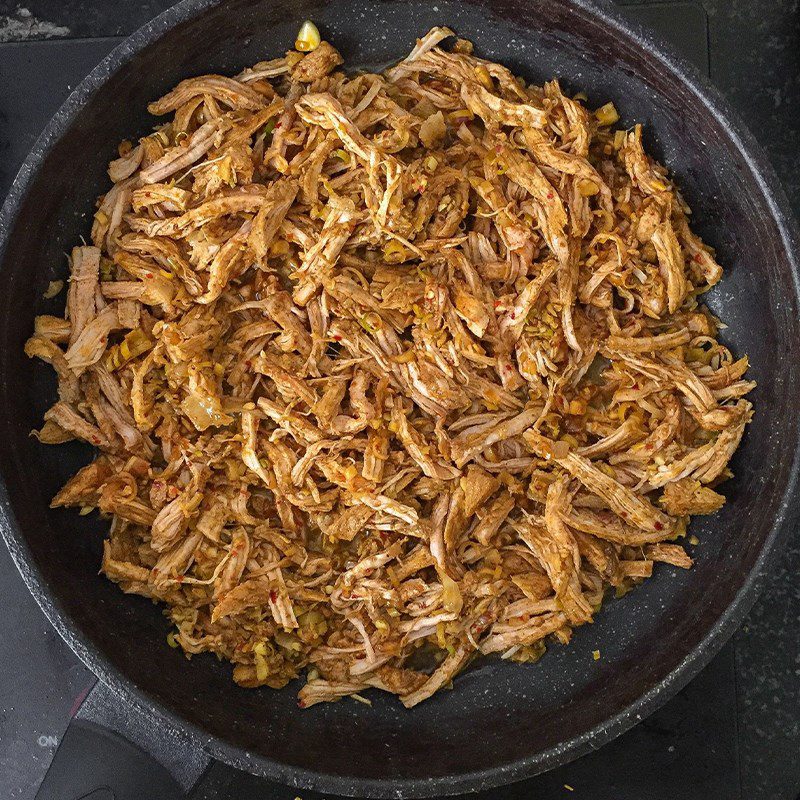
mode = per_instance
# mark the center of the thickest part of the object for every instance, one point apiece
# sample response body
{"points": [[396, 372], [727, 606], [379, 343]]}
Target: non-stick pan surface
{"points": [[501, 721]]}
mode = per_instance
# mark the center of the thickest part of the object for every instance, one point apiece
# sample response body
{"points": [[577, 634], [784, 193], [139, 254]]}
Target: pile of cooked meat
{"points": [[388, 371]]}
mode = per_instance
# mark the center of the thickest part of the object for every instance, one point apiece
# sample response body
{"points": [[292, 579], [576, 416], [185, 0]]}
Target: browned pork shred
{"points": [[389, 370]]}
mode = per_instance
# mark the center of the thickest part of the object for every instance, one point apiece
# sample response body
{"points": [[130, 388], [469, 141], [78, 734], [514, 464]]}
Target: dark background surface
{"points": [[735, 731]]}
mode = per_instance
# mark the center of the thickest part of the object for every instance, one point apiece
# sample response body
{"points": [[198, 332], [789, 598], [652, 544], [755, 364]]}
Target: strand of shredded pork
{"points": [[389, 371]]}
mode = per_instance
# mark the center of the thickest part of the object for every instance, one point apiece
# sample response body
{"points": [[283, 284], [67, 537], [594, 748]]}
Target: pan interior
{"points": [[498, 713]]}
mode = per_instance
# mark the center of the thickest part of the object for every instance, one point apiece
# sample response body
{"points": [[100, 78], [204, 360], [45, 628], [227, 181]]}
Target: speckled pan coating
{"points": [[502, 722]]}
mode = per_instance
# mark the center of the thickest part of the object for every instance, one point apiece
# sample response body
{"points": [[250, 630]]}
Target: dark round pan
{"points": [[501, 722]]}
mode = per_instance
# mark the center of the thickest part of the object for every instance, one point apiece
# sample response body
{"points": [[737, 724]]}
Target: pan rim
{"points": [[775, 200]]}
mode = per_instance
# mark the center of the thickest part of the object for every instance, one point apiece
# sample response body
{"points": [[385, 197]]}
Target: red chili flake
{"points": [[697, 257], [95, 439], [635, 386], [481, 624], [549, 195], [658, 526], [300, 703], [648, 446], [148, 274], [513, 315], [248, 363], [179, 579], [336, 337], [497, 304], [273, 596], [276, 126]]}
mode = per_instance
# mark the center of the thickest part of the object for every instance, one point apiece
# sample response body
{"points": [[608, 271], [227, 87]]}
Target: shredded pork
{"points": [[387, 371]]}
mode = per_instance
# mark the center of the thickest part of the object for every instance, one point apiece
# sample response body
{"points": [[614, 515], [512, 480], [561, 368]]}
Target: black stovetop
{"points": [[732, 734]]}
